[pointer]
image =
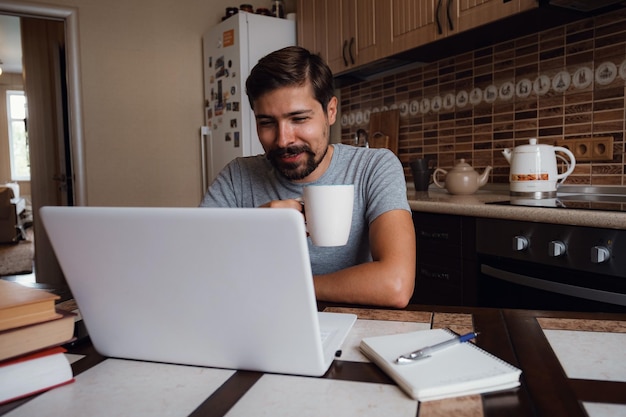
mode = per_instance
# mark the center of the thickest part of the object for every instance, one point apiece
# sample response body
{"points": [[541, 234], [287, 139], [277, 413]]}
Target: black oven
{"points": [[550, 267]]}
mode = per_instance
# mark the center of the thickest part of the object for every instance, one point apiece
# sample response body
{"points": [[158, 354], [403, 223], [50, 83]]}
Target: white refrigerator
{"points": [[230, 50]]}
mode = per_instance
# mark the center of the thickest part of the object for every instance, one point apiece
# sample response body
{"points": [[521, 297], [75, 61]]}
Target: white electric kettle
{"points": [[534, 169]]}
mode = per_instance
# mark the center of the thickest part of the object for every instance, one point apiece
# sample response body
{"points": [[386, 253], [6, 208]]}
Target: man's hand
{"points": [[293, 203]]}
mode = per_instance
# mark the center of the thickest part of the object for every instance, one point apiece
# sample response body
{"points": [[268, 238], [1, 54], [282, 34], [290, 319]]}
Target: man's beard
{"points": [[295, 171]]}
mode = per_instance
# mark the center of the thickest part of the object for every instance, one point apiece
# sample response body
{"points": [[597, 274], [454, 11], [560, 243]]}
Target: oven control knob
{"points": [[520, 243], [556, 248], [600, 254]]}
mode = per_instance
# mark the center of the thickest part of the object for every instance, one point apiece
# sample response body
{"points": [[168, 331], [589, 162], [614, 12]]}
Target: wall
{"points": [[438, 119], [141, 69]]}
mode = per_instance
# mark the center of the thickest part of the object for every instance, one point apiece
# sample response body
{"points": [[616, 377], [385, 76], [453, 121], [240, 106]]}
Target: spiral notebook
{"points": [[463, 369]]}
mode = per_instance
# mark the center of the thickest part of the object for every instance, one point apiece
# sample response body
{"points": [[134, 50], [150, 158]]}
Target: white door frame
{"points": [[70, 16]]}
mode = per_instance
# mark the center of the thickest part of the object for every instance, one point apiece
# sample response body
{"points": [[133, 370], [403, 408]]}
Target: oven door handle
{"points": [[555, 287]]}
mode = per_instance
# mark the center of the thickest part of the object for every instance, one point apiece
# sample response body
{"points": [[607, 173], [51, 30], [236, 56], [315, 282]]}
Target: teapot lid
{"points": [[462, 165]]}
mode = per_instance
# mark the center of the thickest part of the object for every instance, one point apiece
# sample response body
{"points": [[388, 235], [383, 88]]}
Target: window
{"points": [[18, 137]]}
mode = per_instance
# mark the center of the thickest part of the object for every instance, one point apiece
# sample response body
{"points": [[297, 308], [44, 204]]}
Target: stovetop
{"points": [[577, 197]]}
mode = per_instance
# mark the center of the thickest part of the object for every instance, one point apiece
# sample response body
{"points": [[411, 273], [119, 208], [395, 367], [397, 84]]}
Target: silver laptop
{"points": [[227, 288]]}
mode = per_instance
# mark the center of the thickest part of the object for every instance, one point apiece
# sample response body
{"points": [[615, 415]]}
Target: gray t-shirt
{"points": [[379, 186]]}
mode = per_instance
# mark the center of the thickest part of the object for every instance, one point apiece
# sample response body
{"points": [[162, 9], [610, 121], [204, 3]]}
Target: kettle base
{"points": [[537, 195]]}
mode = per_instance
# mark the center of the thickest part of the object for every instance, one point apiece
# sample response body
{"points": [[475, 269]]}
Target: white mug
{"points": [[328, 213]]}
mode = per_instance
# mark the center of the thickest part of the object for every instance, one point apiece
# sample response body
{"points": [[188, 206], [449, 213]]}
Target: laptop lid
{"points": [[219, 287]]}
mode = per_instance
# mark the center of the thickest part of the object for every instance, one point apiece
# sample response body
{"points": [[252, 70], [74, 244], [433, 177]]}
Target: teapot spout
{"points": [[482, 180], [507, 154]]}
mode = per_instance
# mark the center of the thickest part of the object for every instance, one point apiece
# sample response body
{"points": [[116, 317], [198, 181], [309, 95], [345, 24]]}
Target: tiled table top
{"points": [[554, 380]]}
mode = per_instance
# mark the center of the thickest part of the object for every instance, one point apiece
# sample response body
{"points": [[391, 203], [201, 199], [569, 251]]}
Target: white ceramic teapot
{"points": [[534, 169], [462, 179]]}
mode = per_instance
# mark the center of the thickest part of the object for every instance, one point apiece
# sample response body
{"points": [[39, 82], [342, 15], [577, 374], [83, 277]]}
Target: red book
{"points": [[31, 374]]}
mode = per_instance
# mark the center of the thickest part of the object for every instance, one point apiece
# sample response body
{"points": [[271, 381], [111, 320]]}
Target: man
{"points": [[292, 94]]}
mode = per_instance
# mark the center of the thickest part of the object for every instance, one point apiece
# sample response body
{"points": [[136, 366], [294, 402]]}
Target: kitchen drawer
{"points": [[442, 229], [446, 259]]}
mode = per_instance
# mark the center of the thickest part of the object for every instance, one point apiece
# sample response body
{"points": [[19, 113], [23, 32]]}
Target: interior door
{"points": [[43, 49]]}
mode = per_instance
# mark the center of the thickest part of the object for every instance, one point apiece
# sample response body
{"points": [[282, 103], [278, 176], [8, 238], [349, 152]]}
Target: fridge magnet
{"points": [[229, 38], [233, 123], [236, 142], [235, 106], [219, 67], [229, 106], [209, 113], [233, 90], [227, 137]]}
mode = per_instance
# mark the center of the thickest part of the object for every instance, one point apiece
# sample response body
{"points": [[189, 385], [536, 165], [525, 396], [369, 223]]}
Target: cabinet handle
{"points": [[450, 24], [443, 276], [343, 53], [434, 235], [439, 28], [350, 50]]}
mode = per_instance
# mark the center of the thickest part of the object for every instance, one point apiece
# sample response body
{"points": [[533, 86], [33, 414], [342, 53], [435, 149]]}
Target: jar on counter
{"points": [[278, 9], [230, 11], [263, 11], [246, 8]]}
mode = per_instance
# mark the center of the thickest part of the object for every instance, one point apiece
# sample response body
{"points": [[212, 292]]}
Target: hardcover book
{"points": [[31, 374], [21, 305], [34, 337]]}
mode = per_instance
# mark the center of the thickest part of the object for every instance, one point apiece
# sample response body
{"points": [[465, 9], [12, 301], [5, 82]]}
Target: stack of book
{"points": [[31, 334]]}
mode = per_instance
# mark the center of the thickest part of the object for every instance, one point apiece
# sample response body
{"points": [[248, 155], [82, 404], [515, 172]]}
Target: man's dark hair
{"points": [[292, 66]]}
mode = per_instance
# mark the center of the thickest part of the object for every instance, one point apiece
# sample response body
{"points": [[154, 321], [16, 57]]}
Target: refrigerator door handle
{"points": [[204, 138]]}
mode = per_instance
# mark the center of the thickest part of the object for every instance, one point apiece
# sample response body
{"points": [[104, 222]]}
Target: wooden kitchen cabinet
{"points": [[417, 23], [446, 260], [311, 25], [352, 33], [353, 30]]}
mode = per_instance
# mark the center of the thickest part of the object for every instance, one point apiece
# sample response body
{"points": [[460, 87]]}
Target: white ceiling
{"points": [[10, 44]]}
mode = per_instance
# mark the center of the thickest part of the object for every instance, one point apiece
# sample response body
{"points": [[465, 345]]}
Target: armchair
{"points": [[11, 229]]}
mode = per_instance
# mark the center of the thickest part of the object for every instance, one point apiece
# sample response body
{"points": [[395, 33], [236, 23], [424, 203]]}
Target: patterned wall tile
{"points": [[564, 83]]}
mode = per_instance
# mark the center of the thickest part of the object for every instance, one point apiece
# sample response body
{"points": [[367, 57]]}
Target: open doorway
{"points": [[50, 48]]}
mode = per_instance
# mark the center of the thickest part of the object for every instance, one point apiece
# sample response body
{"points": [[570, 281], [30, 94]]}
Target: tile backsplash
{"points": [[564, 83]]}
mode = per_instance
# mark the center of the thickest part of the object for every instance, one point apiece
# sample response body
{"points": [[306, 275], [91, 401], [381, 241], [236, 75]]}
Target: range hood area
{"points": [[585, 6], [550, 13]]}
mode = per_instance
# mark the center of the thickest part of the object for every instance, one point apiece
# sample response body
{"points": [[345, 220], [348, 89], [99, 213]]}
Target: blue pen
{"points": [[425, 352]]}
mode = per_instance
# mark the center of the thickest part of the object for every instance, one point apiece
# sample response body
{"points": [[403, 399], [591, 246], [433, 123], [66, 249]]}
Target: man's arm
{"points": [[386, 281]]}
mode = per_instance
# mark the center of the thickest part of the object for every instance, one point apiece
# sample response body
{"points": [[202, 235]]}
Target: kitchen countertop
{"points": [[437, 200]]}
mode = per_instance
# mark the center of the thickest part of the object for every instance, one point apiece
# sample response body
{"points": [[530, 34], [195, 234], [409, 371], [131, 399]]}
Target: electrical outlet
{"points": [[590, 149]]}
